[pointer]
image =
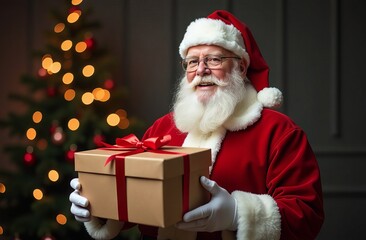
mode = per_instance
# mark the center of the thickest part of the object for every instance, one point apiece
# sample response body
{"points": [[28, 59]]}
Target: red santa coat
{"points": [[265, 161], [271, 157]]}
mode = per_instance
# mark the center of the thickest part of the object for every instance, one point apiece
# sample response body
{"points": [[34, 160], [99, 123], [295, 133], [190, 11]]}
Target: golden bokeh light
{"points": [[37, 194], [80, 47], [76, 2], [98, 93], [106, 97], [68, 78], [55, 67], [2, 188], [1, 230], [73, 17], [47, 62], [121, 113], [87, 98], [124, 123], [88, 70], [31, 133], [53, 175], [69, 94], [37, 117], [113, 119], [66, 45], [61, 219], [73, 124], [59, 27]]}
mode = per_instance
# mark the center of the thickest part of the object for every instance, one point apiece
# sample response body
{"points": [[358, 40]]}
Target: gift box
{"points": [[152, 187]]}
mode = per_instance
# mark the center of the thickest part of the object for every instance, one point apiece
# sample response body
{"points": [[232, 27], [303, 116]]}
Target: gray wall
{"points": [[316, 50]]}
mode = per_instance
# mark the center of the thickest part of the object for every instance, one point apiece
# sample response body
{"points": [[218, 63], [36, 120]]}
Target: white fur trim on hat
{"points": [[270, 97], [103, 231], [206, 31], [259, 216]]}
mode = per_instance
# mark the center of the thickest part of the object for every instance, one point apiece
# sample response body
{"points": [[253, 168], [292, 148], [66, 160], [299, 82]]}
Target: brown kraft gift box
{"points": [[154, 183]]}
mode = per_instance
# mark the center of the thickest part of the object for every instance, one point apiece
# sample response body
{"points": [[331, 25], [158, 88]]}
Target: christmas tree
{"points": [[72, 102]]}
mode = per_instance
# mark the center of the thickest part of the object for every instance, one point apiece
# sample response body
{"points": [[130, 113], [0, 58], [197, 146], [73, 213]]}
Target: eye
{"points": [[192, 62], [214, 60]]}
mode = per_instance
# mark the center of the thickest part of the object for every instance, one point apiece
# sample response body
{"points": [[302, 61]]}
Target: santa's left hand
{"points": [[217, 215]]}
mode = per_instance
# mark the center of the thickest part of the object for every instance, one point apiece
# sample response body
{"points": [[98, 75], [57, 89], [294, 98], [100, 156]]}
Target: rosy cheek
{"points": [[190, 77]]}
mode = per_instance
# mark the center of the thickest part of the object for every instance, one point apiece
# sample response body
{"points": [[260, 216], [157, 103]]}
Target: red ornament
{"points": [[29, 159], [70, 155], [109, 84], [90, 43]]}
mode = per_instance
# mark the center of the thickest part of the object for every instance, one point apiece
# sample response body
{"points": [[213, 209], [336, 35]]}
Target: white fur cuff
{"points": [[103, 231], [259, 216]]}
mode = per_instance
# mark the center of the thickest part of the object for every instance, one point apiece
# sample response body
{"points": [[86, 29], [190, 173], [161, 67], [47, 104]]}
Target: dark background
{"points": [[316, 50]]}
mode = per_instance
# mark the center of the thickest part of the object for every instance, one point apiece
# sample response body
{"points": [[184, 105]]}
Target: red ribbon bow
{"points": [[150, 143], [132, 142]]}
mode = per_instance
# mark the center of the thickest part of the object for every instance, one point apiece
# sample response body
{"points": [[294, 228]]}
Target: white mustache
{"points": [[207, 80]]}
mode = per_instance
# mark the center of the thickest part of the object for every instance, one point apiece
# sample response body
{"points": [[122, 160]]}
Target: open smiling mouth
{"points": [[206, 84]]}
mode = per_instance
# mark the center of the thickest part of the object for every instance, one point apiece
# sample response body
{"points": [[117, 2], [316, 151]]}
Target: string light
{"points": [[88, 70], [76, 2], [37, 194], [80, 47], [66, 45], [47, 61], [59, 27], [124, 123], [74, 16], [87, 98], [61, 219], [42, 72], [58, 136], [69, 94], [98, 93], [31, 133], [121, 113], [68, 78], [73, 124], [55, 67], [37, 117], [113, 119], [53, 175], [2, 188], [106, 97]]}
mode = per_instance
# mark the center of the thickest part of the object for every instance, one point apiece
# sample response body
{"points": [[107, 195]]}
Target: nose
{"points": [[202, 69]]}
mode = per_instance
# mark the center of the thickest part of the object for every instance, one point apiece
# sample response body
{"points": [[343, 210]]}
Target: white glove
{"points": [[217, 215], [79, 203]]}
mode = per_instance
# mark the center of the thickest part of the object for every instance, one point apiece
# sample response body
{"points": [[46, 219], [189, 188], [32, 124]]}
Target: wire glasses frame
{"points": [[210, 61]]}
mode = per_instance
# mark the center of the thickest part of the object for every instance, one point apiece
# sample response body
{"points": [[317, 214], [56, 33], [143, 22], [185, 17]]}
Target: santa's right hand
{"points": [[79, 203]]}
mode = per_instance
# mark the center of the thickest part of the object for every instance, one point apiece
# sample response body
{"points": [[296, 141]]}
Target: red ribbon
{"points": [[132, 143]]}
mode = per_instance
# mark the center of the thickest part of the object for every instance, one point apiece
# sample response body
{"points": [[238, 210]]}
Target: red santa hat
{"points": [[223, 29]]}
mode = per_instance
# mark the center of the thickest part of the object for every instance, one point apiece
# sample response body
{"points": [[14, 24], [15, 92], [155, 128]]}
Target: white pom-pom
{"points": [[270, 97], [108, 230]]}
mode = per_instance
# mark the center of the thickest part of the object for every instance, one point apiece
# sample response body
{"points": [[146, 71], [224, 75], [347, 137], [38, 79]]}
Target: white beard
{"points": [[192, 115]]}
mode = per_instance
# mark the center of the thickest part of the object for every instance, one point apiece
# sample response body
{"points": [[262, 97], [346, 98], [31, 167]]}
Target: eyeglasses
{"points": [[210, 61]]}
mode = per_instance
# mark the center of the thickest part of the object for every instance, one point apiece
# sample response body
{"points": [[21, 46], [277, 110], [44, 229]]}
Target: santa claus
{"points": [[264, 178]]}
